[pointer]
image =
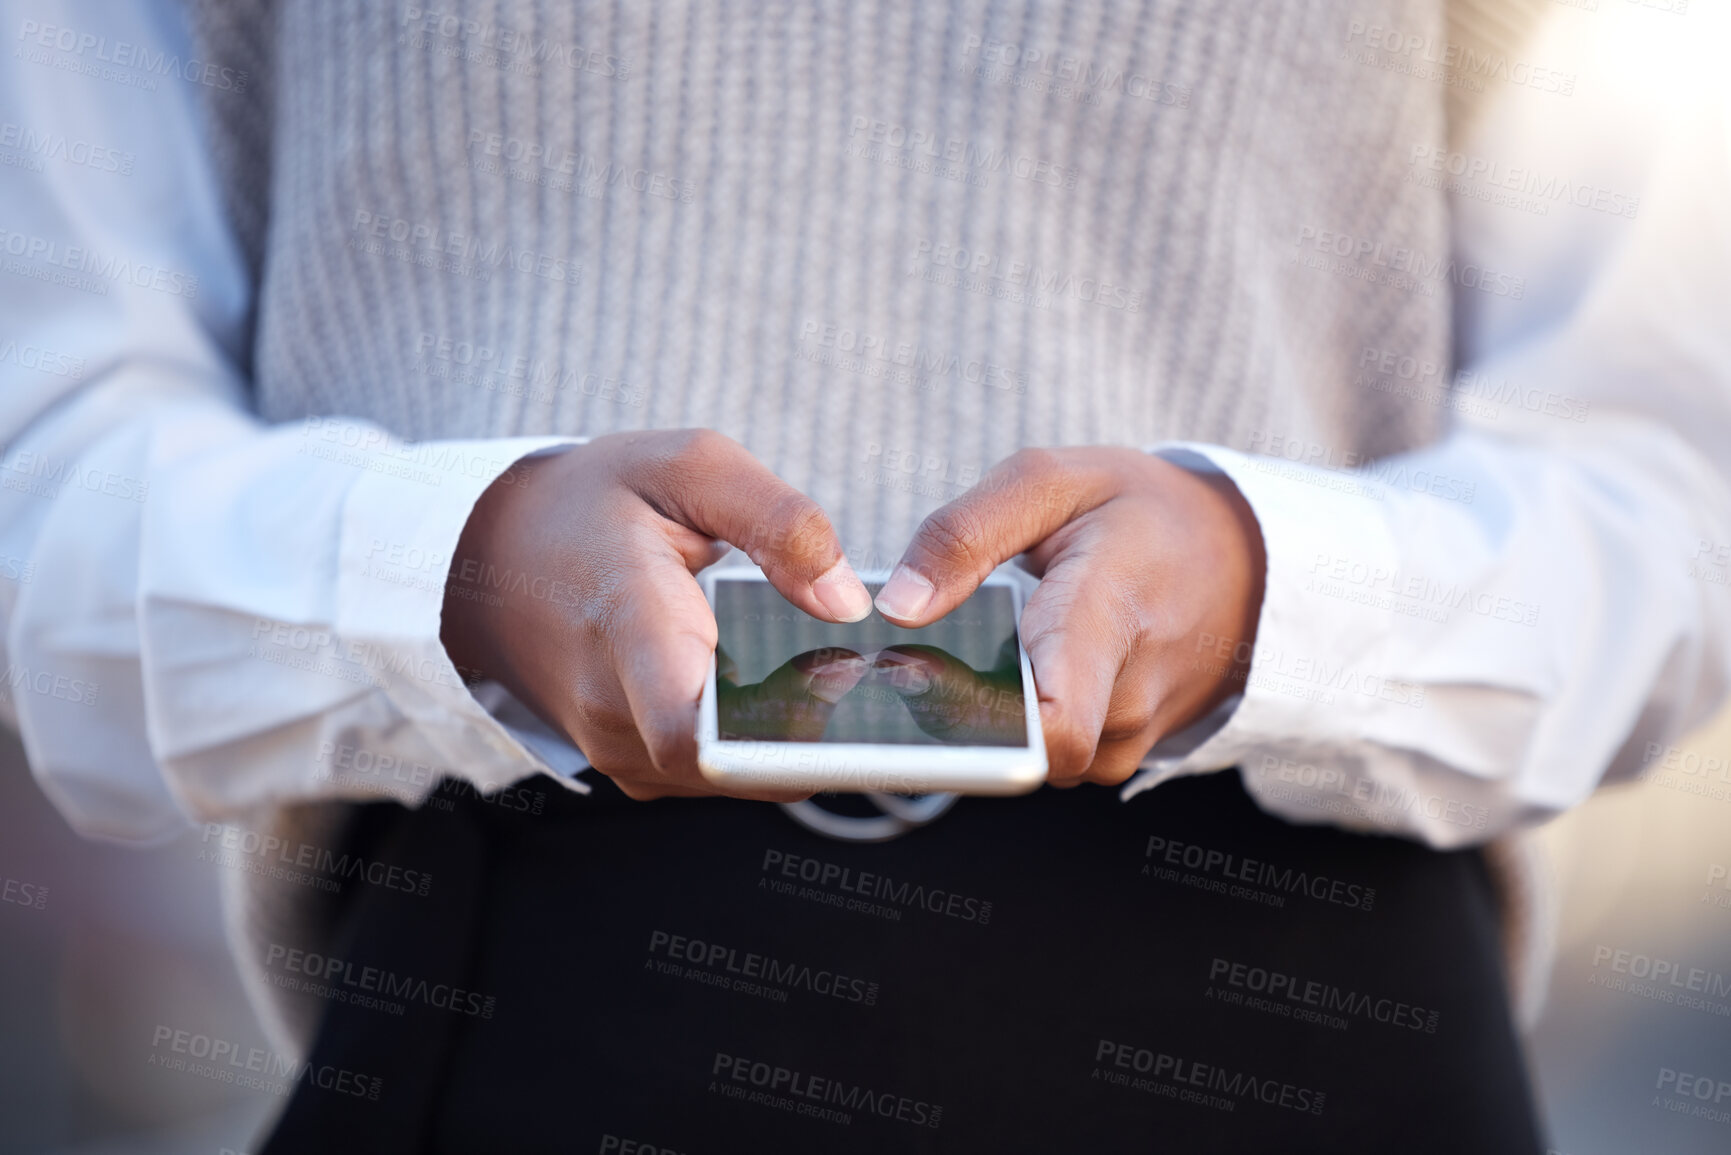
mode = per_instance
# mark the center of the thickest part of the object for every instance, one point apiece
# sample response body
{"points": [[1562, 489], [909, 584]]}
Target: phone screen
{"points": [[785, 676]]}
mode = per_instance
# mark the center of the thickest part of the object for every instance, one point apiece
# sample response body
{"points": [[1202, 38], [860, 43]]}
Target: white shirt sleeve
{"points": [[1476, 634], [203, 615]]}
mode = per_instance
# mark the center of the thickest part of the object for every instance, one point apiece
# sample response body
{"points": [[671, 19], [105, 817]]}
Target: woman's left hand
{"points": [[1148, 571]]}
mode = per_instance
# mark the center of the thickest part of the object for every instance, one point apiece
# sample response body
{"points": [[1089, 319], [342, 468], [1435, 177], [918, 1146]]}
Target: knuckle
{"points": [[596, 703], [599, 723], [1135, 615], [637, 791], [669, 745], [614, 755], [1044, 623], [1135, 702], [1113, 771], [663, 604], [801, 531], [701, 446], [1035, 462], [1028, 474], [1078, 755], [1120, 730], [677, 460], [955, 537], [1069, 752], [669, 750], [594, 617]]}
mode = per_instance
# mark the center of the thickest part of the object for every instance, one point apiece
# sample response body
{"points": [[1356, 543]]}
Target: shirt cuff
{"points": [[1310, 651], [400, 526]]}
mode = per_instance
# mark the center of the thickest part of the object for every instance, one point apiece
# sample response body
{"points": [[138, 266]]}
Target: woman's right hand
{"points": [[573, 585]]}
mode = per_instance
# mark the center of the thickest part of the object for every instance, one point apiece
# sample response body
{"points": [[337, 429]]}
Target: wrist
{"points": [[477, 611], [1234, 566]]}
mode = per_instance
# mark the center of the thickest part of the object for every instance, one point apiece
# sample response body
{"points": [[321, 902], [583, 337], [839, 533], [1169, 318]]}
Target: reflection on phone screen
{"points": [[784, 676]]}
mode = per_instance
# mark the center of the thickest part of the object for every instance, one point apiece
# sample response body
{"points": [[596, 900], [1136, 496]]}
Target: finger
{"points": [[951, 700], [713, 485], [934, 661], [1115, 760], [640, 790], [608, 738], [1019, 503], [794, 703], [664, 641], [829, 674], [1134, 719], [1077, 648], [726, 670]]}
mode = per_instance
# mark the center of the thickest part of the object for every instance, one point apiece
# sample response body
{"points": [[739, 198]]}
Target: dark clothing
{"points": [[1055, 973]]}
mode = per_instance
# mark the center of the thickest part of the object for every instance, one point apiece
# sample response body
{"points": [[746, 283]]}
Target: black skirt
{"points": [[1061, 972]]}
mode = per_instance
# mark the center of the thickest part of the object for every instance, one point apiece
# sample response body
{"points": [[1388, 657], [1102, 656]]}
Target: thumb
{"points": [[1018, 504], [717, 488], [952, 701]]}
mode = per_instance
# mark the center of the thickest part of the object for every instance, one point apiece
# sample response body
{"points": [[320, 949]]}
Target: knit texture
{"points": [[731, 215]]}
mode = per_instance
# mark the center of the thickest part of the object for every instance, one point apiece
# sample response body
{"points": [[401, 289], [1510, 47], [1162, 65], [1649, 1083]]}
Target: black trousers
{"points": [[1055, 973]]}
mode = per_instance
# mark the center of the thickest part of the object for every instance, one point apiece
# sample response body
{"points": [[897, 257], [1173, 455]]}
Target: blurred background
{"points": [[127, 943]]}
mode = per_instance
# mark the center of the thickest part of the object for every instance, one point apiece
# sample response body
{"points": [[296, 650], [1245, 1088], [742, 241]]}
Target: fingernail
{"points": [[833, 680], [839, 591], [905, 595]]}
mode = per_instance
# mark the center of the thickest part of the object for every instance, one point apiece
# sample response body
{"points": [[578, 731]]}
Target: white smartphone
{"points": [[794, 702]]}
